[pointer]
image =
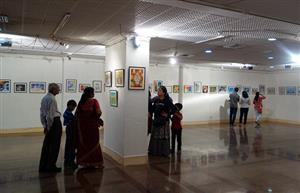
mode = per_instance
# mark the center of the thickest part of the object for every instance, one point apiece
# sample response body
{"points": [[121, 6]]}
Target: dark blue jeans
{"points": [[232, 115], [69, 146]]}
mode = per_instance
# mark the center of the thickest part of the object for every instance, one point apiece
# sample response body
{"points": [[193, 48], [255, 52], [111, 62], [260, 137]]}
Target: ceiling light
{"points": [[295, 58], [173, 61], [208, 51], [67, 46], [271, 67], [62, 23], [272, 39], [270, 57]]}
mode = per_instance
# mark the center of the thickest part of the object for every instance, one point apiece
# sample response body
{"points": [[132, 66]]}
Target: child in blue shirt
{"points": [[69, 146]]}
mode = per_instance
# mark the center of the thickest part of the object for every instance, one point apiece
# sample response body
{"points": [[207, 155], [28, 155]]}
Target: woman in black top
{"points": [[162, 107]]}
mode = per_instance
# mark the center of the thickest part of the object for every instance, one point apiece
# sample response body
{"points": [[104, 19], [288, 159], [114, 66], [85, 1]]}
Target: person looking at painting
{"points": [[87, 116], [244, 104], [163, 107], [234, 98], [258, 107], [50, 119]]}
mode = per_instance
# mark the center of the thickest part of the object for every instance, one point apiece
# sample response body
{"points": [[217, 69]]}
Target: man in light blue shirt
{"points": [[50, 119]]}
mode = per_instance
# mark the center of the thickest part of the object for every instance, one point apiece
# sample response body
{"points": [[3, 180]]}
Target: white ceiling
{"points": [[236, 33]]}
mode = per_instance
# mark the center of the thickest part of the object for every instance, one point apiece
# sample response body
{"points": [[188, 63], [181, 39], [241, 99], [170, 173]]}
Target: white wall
{"points": [[21, 110], [211, 107]]}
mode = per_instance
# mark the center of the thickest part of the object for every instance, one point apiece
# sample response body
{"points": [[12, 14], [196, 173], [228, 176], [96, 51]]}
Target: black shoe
{"points": [[54, 169]]}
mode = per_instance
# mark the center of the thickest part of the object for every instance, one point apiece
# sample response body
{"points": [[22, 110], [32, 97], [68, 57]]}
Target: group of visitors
{"points": [[244, 102], [82, 133]]}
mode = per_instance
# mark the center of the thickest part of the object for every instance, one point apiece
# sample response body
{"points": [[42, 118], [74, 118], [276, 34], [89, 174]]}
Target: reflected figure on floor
{"points": [[233, 151], [244, 146], [50, 119], [88, 112], [175, 167], [257, 144], [48, 182], [234, 98], [163, 108], [82, 179]]}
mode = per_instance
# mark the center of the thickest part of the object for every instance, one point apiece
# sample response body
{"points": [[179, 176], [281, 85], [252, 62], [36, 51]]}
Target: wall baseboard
{"points": [[125, 161], [282, 121], [22, 131]]}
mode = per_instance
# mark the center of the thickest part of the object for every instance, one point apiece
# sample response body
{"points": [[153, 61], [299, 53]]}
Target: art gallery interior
{"points": [[199, 49]]}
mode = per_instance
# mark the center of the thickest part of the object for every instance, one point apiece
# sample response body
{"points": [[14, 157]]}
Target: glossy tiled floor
{"points": [[214, 160]]}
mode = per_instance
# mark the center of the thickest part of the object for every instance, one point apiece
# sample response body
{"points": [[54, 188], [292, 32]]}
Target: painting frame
{"points": [[282, 90], [71, 86], [97, 85], [222, 89], [169, 89], [291, 90], [230, 89], [205, 89], [197, 87], [41, 87], [108, 78], [176, 89], [113, 98], [271, 90], [136, 78], [18, 89], [262, 89], [120, 77], [247, 89], [188, 88], [5, 85], [82, 86], [213, 89]]}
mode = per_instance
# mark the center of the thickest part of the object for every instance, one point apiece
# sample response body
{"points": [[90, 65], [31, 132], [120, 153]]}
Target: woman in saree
{"points": [[87, 116]]}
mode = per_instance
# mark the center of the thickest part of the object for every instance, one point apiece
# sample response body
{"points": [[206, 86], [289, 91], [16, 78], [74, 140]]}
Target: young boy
{"points": [[68, 122], [176, 128]]}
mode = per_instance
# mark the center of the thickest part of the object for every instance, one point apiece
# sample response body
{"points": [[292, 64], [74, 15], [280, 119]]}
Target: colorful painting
{"points": [[71, 85], [212, 89], [222, 89], [262, 89], [83, 86], [176, 88], [97, 85], [197, 86], [119, 77], [108, 79], [37, 87], [271, 90], [5, 86], [20, 87], [205, 89], [188, 88], [231, 89], [157, 84], [281, 90], [136, 78], [113, 98], [254, 91], [291, 90]]}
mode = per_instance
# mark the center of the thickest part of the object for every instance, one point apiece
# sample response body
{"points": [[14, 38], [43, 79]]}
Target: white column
{"points": [[180, 83], [125, 129]]}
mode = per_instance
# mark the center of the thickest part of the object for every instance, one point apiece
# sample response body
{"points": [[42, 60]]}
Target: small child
{"points": [[69, 146], [176, 128]]}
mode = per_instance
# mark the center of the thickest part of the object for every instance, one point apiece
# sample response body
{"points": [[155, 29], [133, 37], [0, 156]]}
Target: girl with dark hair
{"points": [[163, 107], [258, 106], [87, 115], [244, 104]]}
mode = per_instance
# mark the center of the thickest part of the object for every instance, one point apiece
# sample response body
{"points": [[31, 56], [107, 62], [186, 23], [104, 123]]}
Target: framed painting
{"points": [[188, 88], [247, 89], [212, 89], [254, 91], [262, 89], [5, 86], [197, 86], [271, 90], [157, 84], [82, 86], [222, 89], [37, 87], [136, 78], [298, 90], [230, 89], [119, 77], [20, 87], [113, 98], [108, 79], [71, 85], [291, 90], [169, 89], [281, 90], [205, 89], [97, 85], [176, 88]]}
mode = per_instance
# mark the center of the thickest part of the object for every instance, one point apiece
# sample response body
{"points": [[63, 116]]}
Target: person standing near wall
{"points": [[50, 119], [258, 107], [234, 98], [244, 104]]}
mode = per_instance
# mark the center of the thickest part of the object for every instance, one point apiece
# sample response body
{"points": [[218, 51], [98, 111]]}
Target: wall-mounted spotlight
{"points": [[173, 61]]}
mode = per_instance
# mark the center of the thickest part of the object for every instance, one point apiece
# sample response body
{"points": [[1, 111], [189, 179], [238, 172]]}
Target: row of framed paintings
{"points": [[40, 87], [223, 89], [136, 78]]}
